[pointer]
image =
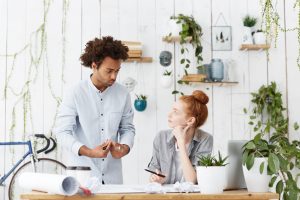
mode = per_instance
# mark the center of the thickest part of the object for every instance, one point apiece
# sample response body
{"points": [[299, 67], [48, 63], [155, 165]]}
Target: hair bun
{"points": [[200, 96]]}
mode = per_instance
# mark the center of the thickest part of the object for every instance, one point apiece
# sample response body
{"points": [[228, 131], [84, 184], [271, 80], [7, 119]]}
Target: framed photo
{"points": [[221, 38]]}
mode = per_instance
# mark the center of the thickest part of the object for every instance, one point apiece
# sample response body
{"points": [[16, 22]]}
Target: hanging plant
{"points": [[190, 33], [271, 26]]}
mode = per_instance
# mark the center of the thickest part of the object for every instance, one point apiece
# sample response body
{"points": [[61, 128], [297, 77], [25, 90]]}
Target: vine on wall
{"points": [[271, 25], [38, 53]]}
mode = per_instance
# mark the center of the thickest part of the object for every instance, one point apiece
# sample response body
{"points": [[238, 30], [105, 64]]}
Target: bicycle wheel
{"points": [[44, 165]]}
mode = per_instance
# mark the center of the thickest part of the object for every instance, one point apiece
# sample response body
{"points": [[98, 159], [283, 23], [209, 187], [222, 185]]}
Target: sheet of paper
{"points": [[110, 189]]}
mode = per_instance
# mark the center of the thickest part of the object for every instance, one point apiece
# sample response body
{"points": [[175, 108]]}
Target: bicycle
{"points": [[42, 165]]}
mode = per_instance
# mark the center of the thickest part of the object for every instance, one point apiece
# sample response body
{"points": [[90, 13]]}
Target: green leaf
{"points": [[185, 71], [261, 167], [257, 138], [179, 81], [245, 110], [250, 161], [250, 145], [182, 61], [279, 187], [296, 126], [182, 50], [271, 183], [273, 163], [187, 65]]}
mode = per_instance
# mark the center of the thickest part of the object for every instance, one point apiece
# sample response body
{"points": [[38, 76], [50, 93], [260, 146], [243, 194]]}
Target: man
{"points": [[94, 122]]}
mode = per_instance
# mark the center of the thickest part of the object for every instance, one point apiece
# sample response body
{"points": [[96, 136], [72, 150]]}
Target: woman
{"points": [[176, 151]]}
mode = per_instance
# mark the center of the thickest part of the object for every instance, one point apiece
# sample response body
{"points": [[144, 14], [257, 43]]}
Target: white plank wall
{"points": [[145, 21]]}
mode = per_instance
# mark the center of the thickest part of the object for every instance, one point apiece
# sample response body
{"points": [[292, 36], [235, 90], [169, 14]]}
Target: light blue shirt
{"points": [[89, 117]]}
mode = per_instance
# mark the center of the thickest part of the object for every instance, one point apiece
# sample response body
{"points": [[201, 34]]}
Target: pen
{"points": [[155, 173]]}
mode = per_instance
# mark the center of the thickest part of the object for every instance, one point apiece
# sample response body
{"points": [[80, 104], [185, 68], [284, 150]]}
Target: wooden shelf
{"points": [[140, 60], [200, 78], [254, 47], [171, 39]]}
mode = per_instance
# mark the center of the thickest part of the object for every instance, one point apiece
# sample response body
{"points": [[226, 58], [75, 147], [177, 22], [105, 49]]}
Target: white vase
{"points": [[247, 37], [255, 181], [166, 81], [174, 27], [211, 180], [259, 38]]}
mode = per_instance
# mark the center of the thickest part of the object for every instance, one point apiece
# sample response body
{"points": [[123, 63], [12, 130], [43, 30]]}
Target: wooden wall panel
{"points": [[145, 21]]}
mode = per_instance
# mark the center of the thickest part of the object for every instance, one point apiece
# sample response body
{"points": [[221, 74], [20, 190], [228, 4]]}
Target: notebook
{"points": [[234, 170]]}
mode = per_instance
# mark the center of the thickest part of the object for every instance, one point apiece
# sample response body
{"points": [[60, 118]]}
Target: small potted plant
{"points": [[211, 174], [259, 37], [140, 103], [166, 79], [248, 22]]}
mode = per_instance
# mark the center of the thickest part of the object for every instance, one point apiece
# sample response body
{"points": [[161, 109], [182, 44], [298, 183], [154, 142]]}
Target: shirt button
{"points": [[102, 159], [102, 129], [101, 114], [102, 174], [101, 99]]}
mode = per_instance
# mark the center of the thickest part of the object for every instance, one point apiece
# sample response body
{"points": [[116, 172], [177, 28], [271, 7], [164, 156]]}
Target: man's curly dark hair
{"points": [[98, 49]]}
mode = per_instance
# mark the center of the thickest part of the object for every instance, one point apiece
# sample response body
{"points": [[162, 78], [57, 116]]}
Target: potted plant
{"points": [[211, 176], [259, 37], [248, 22], [140, 103], [279, 157], [166, 79]]}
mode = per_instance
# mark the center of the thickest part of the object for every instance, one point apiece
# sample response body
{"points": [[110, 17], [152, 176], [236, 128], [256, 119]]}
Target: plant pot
{"points": [[259, 38], [247, 37], [211, 180], [166, 81], [140, 105], [255, 181], [174, 27]]}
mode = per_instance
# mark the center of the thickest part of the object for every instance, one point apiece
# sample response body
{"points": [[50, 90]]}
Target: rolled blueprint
{"points": [[51, 183]]}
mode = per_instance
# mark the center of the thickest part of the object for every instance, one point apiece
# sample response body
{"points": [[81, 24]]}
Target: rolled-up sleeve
{"points": [[126, 128], [65, 124]]}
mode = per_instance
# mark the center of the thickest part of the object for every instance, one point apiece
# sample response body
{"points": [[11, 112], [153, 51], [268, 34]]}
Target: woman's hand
{"points": [[158, 179], [180, 134]]}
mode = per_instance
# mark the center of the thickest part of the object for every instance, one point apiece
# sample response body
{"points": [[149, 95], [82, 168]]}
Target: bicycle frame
{"points": [[28, 153]]}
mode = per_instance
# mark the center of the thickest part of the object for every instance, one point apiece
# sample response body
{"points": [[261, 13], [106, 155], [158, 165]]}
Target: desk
{"points": [[234, 195]]}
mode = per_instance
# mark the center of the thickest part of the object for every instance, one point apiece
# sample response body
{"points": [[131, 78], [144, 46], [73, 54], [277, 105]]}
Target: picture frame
{"points": [[221, 38]]}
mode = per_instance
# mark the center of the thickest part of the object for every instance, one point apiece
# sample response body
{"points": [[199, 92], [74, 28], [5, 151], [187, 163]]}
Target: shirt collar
{"points": [[94, 87]]}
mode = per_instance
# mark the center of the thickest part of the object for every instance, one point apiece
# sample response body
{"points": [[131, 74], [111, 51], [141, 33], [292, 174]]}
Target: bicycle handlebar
{"points": [[53, 146], [46, 149]]}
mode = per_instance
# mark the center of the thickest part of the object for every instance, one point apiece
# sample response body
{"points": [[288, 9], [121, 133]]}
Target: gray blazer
{"points": [[164, 150]]}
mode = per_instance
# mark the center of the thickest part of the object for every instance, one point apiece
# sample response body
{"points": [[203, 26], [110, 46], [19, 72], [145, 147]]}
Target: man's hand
{"points": [[100, 151], [118, 150]]}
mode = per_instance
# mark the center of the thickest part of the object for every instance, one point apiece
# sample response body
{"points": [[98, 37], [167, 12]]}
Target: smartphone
{"points": [[161, 175]]}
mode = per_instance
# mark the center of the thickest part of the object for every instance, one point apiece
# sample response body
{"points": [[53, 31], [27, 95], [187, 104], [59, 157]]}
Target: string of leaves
{"points": [[270, 21], [38, 54]]}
